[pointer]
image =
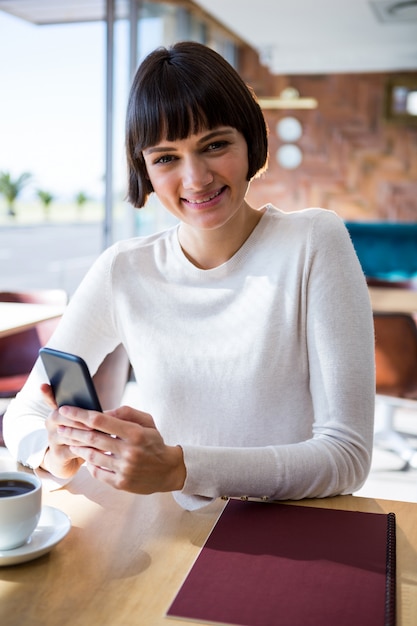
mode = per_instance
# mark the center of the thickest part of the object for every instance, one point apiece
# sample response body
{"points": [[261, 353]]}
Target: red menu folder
{"points": [[270, 564]]}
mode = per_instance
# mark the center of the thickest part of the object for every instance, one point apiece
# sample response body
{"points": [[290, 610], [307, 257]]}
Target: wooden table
{"points": [[18, 316], [384, 299], [126, 556]]}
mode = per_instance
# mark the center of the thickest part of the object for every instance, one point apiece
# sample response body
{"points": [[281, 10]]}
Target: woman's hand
{"points": [[59, 460], [121, 447]]}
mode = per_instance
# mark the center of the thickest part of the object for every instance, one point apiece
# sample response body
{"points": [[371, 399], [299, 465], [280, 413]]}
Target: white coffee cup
{"points": [[20, 507]]}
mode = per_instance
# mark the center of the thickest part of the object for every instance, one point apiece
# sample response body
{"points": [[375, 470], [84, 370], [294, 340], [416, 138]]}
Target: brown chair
{"points": [[410, 284], [18, 352], [396, 378]]}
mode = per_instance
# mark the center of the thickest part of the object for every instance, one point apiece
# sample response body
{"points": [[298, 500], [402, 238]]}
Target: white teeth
{"points": [[205, 199]]}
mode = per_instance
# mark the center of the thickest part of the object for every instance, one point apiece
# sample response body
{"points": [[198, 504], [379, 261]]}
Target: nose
{"points": [[196, 173]]}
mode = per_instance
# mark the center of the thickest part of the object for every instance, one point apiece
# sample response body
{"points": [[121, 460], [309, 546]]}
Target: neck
{"points": [[207, 249]]}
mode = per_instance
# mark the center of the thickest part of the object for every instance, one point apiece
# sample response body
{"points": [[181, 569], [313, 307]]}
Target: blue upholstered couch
{"points": [[386, 250]]}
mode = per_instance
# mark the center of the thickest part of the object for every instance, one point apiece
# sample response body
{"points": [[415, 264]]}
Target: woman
{"points": [[249, 331]]}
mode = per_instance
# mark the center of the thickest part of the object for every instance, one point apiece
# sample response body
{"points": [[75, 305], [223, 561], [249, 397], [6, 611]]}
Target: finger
{"points": [[96, 460], [88, 439], [124, 423], [75, 417], [128, 414], [117, 423], [56, 428], [61, 462], [48, 395]]}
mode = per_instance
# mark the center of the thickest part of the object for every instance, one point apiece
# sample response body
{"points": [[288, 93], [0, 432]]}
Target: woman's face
{"points": [[201, 180]]}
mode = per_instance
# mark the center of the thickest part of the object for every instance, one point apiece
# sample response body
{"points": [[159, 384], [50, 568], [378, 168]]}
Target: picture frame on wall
{"points": [[400, 100]]}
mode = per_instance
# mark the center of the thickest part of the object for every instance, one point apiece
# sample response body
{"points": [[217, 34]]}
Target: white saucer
{"points": [[52, 527]]}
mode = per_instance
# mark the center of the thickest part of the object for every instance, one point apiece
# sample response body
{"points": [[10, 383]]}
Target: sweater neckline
{"points": [[230, 264]]}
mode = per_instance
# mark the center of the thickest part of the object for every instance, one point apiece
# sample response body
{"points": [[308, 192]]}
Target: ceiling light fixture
{"points": [[289, 98], [400, 6], [395, 10]]}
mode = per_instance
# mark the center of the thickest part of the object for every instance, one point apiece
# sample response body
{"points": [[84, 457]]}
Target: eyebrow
{"points": [[214, 133]]}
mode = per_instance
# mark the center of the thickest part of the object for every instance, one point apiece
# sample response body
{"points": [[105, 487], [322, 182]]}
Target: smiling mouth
{"points": [[205, 200]]}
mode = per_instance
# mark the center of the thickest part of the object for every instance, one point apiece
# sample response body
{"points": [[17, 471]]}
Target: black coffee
{"points": [[14, 487]]}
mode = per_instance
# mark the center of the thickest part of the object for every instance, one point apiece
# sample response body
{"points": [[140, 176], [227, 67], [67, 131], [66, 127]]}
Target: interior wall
{"points": [[354, 162]]}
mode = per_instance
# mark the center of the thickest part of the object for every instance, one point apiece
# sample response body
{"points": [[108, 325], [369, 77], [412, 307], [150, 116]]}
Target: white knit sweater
{"points": [[262, 369]]}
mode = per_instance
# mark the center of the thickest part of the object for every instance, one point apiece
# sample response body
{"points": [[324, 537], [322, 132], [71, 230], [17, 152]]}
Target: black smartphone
{"points": [[70, 379]]}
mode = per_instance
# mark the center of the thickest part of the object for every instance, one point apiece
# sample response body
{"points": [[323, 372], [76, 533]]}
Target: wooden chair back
{"points": [[396, 354], [18, 352]]}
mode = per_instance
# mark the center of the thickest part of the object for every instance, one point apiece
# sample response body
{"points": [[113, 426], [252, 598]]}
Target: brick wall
{"points": [[354, 161]]}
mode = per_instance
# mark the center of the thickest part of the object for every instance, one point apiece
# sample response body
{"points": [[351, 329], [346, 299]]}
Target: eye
{"points": [[166, 158], [217, 145]]}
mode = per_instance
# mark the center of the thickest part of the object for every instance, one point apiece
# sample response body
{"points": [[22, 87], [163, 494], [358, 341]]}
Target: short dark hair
{"points": [[182, 90]]}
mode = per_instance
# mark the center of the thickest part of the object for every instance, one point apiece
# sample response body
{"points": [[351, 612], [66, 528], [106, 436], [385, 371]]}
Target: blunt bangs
{"points": [[182, 91]]}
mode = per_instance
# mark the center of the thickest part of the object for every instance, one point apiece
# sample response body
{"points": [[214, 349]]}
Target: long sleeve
{"points": [[87, 329], [336, 320], [262, 369]]}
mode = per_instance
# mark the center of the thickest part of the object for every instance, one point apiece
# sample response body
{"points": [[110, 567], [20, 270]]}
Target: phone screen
{"points": [[70, 379]]}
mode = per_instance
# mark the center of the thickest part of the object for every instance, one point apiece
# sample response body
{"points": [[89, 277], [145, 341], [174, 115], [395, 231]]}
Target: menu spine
{"points": [[390, 595]]}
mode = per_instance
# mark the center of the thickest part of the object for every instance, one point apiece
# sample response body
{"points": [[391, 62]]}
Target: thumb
{"points": [[48, 396], [128, 414]]}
